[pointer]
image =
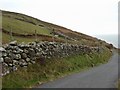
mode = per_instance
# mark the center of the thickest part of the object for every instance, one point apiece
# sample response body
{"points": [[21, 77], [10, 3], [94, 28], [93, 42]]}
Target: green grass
{"points": [[53, 69], [117, 85], [6, 38], [118, 51], [22, 27], [0, 83], [118, 82]]}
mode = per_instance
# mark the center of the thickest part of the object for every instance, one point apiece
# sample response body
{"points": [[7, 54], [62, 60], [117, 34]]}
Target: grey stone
{"points": [[4, 64], [14, 68], [24, 64], [32, 62], [1, 60], [26, 51], [29, 63], [7, 72], [38, 54], [32, 43], [43, 53], [2, 49], [13, 43], [4, 54], [8, 60], [31, 52], [14, 51], [9, 64], [11, 48], [24, 55], [18, 51], [27, 59], [15, 62], [11, 55], [18, 56]]}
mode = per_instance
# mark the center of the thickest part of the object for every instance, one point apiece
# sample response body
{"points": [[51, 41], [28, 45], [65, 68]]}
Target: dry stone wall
{"points": [[14, 55]]}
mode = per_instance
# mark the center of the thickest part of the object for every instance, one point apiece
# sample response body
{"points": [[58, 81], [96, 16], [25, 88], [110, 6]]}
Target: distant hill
{"points": [[24, 28]]}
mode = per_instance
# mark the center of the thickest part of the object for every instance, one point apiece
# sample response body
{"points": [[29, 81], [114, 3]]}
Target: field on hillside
{"points": [[23, 28]]}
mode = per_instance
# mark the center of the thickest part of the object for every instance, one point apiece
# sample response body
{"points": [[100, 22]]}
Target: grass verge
{"points": [[53, 69], [118, 83]]}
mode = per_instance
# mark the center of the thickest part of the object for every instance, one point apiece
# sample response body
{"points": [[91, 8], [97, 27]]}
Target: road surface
{"points": [[103, 76]]}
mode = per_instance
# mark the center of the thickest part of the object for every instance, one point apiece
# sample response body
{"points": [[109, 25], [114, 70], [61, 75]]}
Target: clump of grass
{"points": [[54, 68], [119, 85]]}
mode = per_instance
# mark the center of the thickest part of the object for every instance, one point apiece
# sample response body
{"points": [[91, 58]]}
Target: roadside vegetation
{"points": [[118, 84], [118, 51], [52, 69]]}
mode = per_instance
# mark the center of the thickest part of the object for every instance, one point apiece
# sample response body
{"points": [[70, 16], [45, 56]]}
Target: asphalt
{"points": [[103, 76]]}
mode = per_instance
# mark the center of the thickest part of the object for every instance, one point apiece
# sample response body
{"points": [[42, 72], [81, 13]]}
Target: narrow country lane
{"points": [[103, 76]]}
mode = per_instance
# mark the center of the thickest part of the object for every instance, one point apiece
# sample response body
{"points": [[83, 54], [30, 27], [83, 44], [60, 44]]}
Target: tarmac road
{"points": [[103, 76]]}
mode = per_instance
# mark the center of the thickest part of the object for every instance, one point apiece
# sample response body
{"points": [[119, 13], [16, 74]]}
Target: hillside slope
{"points": [[23, 28]]}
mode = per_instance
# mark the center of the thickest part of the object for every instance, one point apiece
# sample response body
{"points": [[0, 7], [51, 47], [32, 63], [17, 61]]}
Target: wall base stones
{"points": [[14, 55]]}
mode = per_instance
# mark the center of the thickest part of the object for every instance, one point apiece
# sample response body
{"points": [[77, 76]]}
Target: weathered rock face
{"points": [[16, 55]]}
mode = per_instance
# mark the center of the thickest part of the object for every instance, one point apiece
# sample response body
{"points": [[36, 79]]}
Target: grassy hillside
{"points": [[24, 27]]}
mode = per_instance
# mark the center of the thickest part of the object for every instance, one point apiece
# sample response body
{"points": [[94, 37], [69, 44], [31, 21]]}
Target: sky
{"points": [[91, 17]]}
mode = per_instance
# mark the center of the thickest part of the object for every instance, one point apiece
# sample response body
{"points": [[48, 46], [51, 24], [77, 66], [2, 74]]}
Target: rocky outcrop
{"points": [[16, 55]]}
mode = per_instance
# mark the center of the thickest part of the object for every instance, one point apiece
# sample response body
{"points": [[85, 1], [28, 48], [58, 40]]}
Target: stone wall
{"points": [[16, 55]]}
